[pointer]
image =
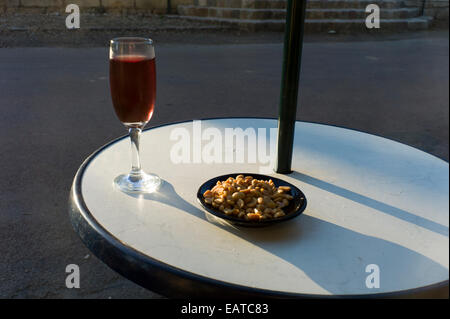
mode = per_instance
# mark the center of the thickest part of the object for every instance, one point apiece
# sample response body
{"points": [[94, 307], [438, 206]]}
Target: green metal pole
{"points": [[293, 43], [169, 7]]}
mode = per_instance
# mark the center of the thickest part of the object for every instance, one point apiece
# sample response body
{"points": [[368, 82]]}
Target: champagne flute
{"points": [[132, 78]]}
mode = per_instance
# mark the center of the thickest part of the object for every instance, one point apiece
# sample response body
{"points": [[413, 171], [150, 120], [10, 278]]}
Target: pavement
{"points": [[56, 110]]}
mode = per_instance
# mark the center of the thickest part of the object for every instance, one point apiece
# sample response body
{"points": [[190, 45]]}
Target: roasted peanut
{"points": [[238, 195], [271, 204], [279, 214], [252, 202], [253, 216], [208, 193]]}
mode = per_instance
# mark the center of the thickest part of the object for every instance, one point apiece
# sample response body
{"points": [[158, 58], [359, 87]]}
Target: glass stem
{"points": [[135, 134]]}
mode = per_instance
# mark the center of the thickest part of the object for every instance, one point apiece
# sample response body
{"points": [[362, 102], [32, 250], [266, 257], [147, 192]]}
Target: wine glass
{"points": [[132, 78]]}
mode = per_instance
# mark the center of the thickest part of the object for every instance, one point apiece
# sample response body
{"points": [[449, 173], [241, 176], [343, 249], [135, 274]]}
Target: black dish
{"points": [[296, 206]]}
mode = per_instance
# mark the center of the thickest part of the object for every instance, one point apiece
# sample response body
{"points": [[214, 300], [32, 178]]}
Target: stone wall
{"points": [[99, 6], [438, 9]]}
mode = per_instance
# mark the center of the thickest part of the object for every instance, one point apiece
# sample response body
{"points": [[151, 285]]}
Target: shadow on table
{"points": [[168, 196], [372, 203], [335, 257], [316, 247]]}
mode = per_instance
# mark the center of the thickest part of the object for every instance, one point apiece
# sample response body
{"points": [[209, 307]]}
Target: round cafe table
{"points": [[376, 222]]}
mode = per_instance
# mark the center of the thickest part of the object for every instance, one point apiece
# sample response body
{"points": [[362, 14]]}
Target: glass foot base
{"points": [[142, 183]]}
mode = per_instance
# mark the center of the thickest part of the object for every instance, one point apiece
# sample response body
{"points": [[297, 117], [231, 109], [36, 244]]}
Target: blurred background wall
{"points": [[94, 6], [437, 9]]}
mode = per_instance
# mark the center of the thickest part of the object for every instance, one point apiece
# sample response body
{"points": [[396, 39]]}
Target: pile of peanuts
{"points": [[248, 198]]}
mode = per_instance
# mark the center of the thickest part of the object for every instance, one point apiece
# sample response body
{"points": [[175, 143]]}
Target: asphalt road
{"points": [[56, 110]]}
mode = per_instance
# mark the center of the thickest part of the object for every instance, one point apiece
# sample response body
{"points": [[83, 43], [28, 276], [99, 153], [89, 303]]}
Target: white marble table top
{"points": [[371, 201]]}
